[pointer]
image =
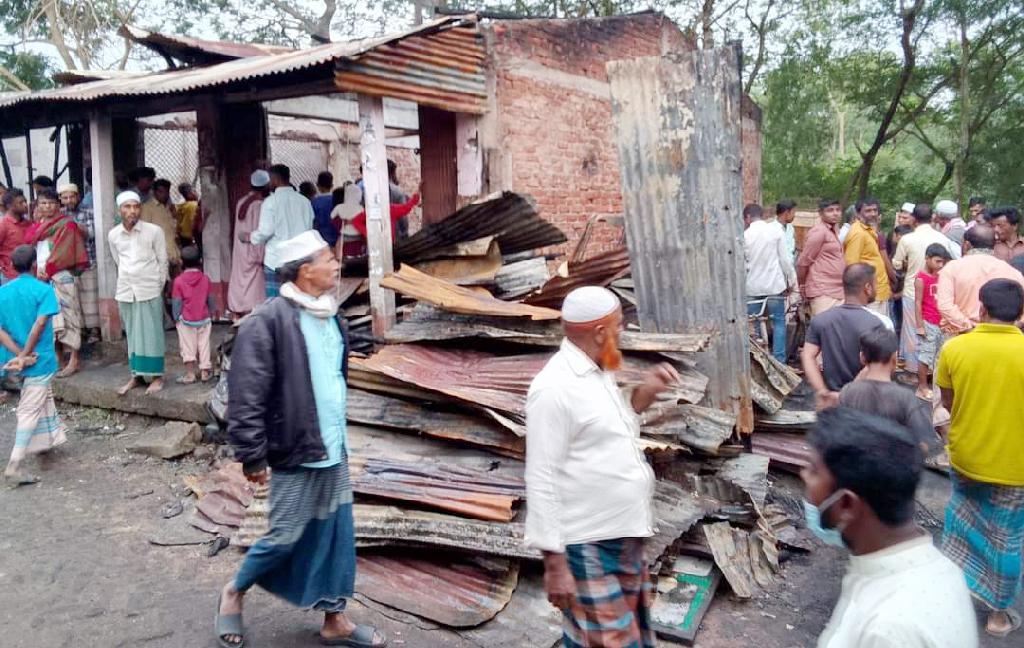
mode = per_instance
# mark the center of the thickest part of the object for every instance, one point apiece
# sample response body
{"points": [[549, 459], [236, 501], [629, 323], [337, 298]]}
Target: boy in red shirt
{"points": [[192, 304], [929, 336]]}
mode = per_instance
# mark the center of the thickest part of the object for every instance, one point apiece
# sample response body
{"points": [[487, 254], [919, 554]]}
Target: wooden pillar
{"points": [[101, 154], [377, 197], [213, 188]]}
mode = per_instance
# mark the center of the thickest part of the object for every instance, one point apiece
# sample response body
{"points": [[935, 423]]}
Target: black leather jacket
{"points": [[271, 410]]}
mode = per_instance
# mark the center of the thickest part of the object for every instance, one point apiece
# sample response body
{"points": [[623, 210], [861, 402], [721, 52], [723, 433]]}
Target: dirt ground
{"points": [[77, 567]]}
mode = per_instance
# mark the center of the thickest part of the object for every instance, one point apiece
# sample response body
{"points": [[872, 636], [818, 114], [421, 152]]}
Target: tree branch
{"points": [[12, 79]]}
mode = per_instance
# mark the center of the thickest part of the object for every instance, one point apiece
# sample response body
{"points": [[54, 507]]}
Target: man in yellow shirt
{"points": [[159, 210], [861, 246], [981, 375]]}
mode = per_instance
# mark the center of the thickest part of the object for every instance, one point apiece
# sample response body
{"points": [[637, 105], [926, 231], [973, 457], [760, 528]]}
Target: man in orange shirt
{"points": [[861, 246]]}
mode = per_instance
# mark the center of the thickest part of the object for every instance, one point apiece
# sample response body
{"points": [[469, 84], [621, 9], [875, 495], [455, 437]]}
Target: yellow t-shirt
{"points": [[861, 246], [985, 370]]}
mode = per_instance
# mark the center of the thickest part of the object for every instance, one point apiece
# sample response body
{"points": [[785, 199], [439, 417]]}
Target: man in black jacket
{"points": [[287, 394]]}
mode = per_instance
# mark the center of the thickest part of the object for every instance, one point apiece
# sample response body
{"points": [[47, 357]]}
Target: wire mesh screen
{"points": [[174, 153], [306, 159]]}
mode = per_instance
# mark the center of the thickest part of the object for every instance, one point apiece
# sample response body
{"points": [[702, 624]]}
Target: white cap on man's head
{"points": [[127, 197], [588, 304], [946, 208], [259, 178], [67, 188], [300, 247], [908, 207]]}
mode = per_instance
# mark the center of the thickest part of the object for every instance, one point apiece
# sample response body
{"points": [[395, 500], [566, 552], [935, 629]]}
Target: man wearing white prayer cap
{"points": [[588, 485], [247, 286], [949, 221], [287, 393], [906, 215], [140, 254]]}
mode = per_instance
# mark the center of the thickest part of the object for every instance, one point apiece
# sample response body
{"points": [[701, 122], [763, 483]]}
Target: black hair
{"points": [[981, 236], [752, 211], [824, 203], [190, 257], [855, 276], [867, 201], [185, 188], [392, 167], [162, 183], [1010, 213], [23, 258], [307, 189], [11, 196], [282, 172], [43, 181], [922, 213], [784, 206], [938, 250], [290, 270], [976, 200], [325, 180], [878, 345], [876, 458], [141, 172], [48, 194], [338, 196], [1003, 299]]}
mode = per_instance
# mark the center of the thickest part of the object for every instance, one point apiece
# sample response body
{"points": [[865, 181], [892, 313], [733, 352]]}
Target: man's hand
{"points": [[258, 477], [558, 581], [825, 399], [14, 365], [921, 332], [42, 276], [660, 378]]}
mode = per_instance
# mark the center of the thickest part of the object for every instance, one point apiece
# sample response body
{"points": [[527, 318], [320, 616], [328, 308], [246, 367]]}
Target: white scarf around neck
{"points": [[324, 306]]}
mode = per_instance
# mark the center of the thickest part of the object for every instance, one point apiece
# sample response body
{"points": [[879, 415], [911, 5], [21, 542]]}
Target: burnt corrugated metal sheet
{"points": [[771, 380], [460, 592], [71, 77], [788, 451], [677, 122], [599, 270], [196, 51]]}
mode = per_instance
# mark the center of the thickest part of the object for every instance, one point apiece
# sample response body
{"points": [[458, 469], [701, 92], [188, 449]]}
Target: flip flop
{"points": [[22, 479], [228, 624], [1015, 621], [361, 637], [183, 380]]}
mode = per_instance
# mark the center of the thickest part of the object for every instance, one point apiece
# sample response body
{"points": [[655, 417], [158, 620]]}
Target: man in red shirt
{"points": [[819, 269], [12, 230]]}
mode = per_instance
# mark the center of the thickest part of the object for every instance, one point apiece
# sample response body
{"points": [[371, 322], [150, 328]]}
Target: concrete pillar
{"points": [[101, 154], [469, 160], [378, 210]]}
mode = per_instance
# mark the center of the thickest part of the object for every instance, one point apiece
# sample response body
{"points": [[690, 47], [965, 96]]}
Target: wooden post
{"points": [[101, 147], [377, 197], [216, 208]]}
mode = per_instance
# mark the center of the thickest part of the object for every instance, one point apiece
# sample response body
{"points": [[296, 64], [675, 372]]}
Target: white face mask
{"points": [[813, 515]]}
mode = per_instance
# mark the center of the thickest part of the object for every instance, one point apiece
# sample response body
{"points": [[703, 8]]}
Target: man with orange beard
{"points": [[588, 485]]}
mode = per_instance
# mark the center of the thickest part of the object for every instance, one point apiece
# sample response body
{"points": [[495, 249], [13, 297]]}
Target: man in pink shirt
{"points": [[13, 226], [819, 269], [962, 279]]}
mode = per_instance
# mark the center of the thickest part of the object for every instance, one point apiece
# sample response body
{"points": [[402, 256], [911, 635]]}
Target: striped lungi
{"points": [[144, 328], [271, 282], [89, 293], [613, 596], [39, 427], [908, 334], [67, 326], [984, 535], [308, 557]]}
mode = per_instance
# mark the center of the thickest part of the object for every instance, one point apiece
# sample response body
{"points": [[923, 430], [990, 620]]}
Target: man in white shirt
{"points": [[785, 213], [899, 590], [588, 485], [770, 274], [283, 216], [140, 254]]}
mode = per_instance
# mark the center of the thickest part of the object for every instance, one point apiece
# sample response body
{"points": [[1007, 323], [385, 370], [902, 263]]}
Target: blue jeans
{"points": [[776, 312]]}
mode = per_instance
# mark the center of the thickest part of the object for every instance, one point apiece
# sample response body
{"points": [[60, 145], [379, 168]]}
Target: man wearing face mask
{"points": [[899, 590]]}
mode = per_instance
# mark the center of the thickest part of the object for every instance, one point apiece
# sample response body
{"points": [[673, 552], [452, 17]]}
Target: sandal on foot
{"points": [[185, 380], [361, 637], [1015, 621], [21, 479], [228, 624]]}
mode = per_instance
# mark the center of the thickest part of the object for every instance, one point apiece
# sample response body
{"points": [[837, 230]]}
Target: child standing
{"points": [[929, 335], [191, 304]]}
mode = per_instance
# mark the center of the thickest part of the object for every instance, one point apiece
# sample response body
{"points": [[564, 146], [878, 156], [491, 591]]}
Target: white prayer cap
{"points": [[67, 188], [588, 304], [946, 208], [127, 197], [299, 247], [908, 207], [259, 178]]}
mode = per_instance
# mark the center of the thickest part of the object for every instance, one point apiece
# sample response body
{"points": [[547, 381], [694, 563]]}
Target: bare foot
{"points": [[155, 386], [130, 385], [69, 370], [205, 375], [187, 379], [1002, 623], [231, 603]]}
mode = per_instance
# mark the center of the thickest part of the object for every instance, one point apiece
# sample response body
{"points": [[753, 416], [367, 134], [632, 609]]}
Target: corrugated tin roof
{"points": [[254, 67], [196, 51]]}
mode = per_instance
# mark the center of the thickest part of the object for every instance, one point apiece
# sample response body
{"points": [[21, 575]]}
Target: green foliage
{"points": [[33, 70]]}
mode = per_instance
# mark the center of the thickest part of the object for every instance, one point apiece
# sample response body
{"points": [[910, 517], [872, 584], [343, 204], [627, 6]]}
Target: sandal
{"points": [[185, 380], [228, 624], [1015, 621], [21, 479], [361, 637]]}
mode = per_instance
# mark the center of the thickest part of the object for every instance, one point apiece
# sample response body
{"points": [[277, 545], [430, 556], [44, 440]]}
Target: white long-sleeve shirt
{"points": [[586, 478], [284, 214], [769, 265], [141, 259]]}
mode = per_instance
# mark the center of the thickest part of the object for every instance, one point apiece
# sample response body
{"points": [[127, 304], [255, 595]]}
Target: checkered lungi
{"points": [[984, 535], [39, 427], [271, 282], [613, 596]]}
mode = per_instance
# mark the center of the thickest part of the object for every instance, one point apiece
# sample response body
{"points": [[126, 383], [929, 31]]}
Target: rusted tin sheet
{"points": [[745, 558], [600, 270], [196, 51], [386, 525], [454, 489], [787, 451], [521, 277], [701, 428], [676, 510], [458, 299], [379, 410], [750, 473], [465, 269], [785, 421], [460, 592], [771, 380], [678, 124]]}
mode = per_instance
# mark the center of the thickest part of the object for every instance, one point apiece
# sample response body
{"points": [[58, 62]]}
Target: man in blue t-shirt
{"points": [[27, 306], [323, 203]]}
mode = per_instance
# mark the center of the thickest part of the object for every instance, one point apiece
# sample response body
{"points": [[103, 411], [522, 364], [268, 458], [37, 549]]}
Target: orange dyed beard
{"points": [[610, 358]]}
